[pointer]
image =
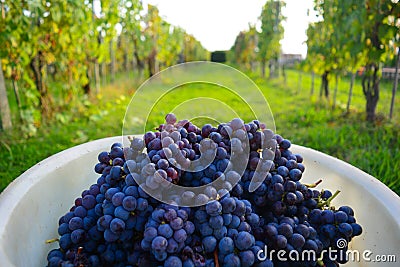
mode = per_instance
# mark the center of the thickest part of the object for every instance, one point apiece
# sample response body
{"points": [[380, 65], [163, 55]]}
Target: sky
{"points": [[216, 23]]}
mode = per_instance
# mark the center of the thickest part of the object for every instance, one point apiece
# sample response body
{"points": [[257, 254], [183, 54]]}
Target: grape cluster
{"points": [[239, 196], [167, 231]]}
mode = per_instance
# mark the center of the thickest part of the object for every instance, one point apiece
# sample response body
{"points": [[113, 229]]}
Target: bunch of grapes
{"points": [[210, 196]]}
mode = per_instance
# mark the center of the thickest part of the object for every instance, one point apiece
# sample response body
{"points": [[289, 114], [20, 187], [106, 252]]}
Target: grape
{"points": [[345, 229], [148, 137], [65, 241], [205, 229], [110, 193], [226, 245], [173, 246], [63, 229], [297, 240], [142, 204], [236, 124], [231, 260], [216, 222], [244, 240], [158, 215], [327, 216], [121, 213], [220, 233], [103, 157], [176, 223], [117, 199], [209, 243], [240, 208], [348, 210], [77, 236], [180, 235], [295, 174], [328, 230], [291, 198], [170, 118], [117, 226], [303, 230], [165, 230], [214, 208], [159, 243], [283, 171], [235, 222], [173, 261], [326, 194], [340, 217], [88, 202], [247, 258], [110, 236], [80, 211], [228, 205], [357, 230], [75, 223], [116, 152], [129, 203], [281, 241], [119, 220], [285, 229]]}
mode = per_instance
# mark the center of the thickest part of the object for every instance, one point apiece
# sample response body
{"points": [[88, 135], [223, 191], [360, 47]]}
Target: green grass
{"points": [[304, 119]]}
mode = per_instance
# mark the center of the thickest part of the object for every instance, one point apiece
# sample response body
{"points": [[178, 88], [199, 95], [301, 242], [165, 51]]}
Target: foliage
{"points": [[373, 149], [245, 48], [352, 34], [263, 46], [317, 48], [218, 56], [61, 43], [271, 32], [193, 50]]}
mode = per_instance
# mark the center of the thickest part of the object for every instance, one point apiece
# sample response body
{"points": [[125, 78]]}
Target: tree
{"points": [[381, 26], [270, 35], [193, 50], [170, 44], [318, 54], [245, 48], [49, 49], [153, 29], [356, 33], [15, 54], [131, 19], [352, 39]]}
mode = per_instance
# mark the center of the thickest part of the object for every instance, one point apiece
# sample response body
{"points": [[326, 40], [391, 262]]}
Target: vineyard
{"points": [[56, 53], [69, 68]]}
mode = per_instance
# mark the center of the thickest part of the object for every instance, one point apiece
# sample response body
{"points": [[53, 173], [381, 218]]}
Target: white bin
{"points": [[32, 204]]}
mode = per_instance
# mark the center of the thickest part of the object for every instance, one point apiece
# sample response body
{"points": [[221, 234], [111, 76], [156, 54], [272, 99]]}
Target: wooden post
{"points": [[112, 64], [97, 76], [312, 82], [336, 89], [353, 77], [395, 83], [4, 106]]}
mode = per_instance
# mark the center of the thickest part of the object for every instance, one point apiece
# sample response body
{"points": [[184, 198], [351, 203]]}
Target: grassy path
{"points": [[303, 119]]}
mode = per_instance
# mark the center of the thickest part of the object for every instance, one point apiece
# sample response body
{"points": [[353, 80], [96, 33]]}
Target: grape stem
{"points": [[49, 241], [216, 258], [314, 184], [328, 201]]}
